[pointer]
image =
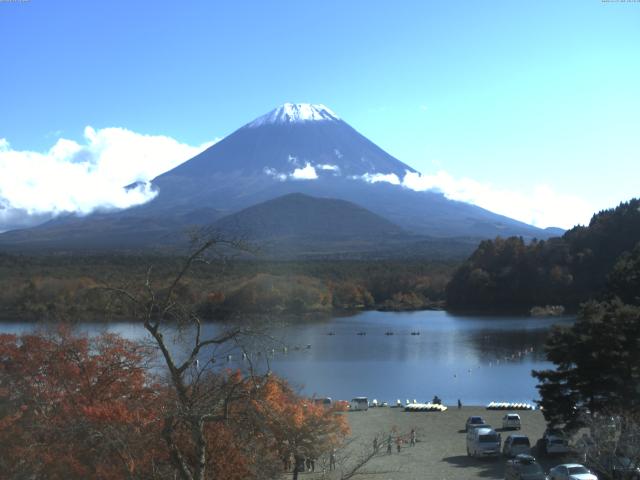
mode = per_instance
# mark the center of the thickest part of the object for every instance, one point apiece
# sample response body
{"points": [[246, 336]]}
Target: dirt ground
{"points": [[440, 450]]}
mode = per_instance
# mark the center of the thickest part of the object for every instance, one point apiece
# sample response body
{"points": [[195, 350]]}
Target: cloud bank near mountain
{"points": [[83, 176], [539, 205]]}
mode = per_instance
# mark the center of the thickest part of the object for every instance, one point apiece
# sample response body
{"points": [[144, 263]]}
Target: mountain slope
{"points": [[280, 153], [296, 225], [301, 217], [295, 148]]}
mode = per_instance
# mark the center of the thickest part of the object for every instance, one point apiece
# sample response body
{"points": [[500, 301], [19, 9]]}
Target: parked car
{"points": [[553, 441], [323, 401], [359, 403], [515, 445], [483, 442], [628, 442], [511, 421], [556, 445], [571, 471], [620, 467], [473, 422], [524, 467], [553, 432], [585, 448]]}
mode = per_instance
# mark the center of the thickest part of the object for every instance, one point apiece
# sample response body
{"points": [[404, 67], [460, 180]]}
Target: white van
{"points": [[483, 442], [359, 403]]}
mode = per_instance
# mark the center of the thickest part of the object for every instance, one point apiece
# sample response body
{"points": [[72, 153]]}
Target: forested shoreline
{"points": [[73, 287], [504, 275]]}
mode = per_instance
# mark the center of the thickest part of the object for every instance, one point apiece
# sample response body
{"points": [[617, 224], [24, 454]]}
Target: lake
{"points": [[477, 359]]}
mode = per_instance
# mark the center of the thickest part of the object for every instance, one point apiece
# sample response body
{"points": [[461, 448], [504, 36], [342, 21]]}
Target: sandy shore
{"points": [[440, 451]]}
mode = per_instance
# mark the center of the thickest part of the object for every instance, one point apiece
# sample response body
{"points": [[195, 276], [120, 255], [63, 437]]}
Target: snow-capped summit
{"points": [[295, 113], [296, 148]]}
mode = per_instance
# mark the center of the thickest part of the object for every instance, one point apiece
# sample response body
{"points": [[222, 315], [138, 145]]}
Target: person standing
{"points": [[459, 404], [412, 437], [332, 460], [398, 443], [375, 444], [389, 445]]}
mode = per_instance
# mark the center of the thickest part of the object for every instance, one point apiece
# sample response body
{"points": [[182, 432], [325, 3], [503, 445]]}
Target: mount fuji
{"points": [[296, 148]]}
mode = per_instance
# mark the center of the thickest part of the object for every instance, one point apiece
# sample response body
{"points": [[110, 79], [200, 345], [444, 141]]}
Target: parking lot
{"points": [[440, 450]]}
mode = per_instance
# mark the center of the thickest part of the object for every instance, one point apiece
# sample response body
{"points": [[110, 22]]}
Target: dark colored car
{"points": [[473, 422], [621, 467], [523, 467], [516, 445]]}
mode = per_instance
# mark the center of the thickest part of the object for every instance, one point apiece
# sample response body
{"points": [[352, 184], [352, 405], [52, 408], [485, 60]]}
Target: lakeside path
{"points": [[440, 451]]}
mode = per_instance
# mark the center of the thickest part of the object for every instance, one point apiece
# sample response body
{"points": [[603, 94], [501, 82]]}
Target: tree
{"points": [[73, 408], [624, 278], [300, 429], [207, 404], [610, 444], [597, 364], [198, 404], [511, 274]]}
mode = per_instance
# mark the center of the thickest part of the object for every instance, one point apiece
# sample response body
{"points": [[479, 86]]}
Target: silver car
{"points": [[571, 471], [483, 442]]}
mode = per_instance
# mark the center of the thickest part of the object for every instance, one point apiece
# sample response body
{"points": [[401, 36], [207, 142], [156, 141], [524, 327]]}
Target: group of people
{"points": [[306, 464], [303, 464], [309, 464], [438, 401], [399, 440]]}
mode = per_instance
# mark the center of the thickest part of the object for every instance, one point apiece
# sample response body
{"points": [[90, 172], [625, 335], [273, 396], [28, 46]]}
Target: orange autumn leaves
{"points": [[75, 407], [299, 426]]}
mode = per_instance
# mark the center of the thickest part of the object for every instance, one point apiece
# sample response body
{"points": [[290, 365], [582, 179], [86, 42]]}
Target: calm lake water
{"points": [[478, 359]]}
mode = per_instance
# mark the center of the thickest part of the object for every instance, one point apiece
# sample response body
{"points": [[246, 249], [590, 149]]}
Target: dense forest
{"points": [[509, 274], [74, 287]]}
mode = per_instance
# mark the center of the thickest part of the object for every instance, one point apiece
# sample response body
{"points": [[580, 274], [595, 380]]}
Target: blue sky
{"points": [[527, 108]]}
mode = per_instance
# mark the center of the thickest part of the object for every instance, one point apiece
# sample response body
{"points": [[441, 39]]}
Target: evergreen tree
{"points": [[597, 365], [511, 274]]}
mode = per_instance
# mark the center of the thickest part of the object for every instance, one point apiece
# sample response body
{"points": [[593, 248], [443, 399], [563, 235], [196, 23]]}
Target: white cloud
{"points": [[80, 177], [540, 206], [306, 173], [330, 168], [272, 172], [381, 177]]}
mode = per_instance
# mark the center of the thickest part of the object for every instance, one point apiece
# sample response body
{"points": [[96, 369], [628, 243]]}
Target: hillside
{"points": [[301, 217], [586, 262]]}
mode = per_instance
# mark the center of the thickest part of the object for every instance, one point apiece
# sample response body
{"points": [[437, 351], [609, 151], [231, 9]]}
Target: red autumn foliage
{"points": [[76, 408], [73, 407], [299, 427]]}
